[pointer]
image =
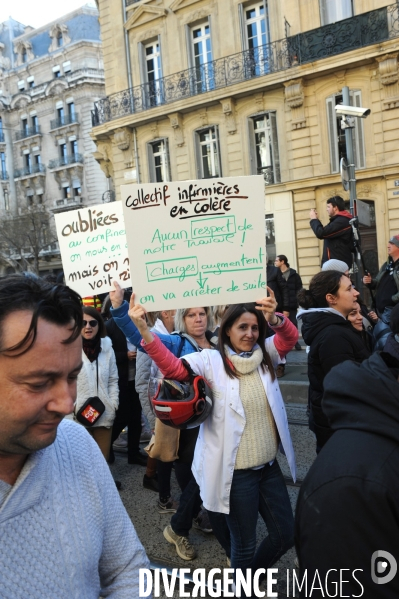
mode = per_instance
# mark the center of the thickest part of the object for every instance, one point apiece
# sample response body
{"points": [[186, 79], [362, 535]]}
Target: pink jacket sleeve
{"points": [[170, 366], [286, 336]]}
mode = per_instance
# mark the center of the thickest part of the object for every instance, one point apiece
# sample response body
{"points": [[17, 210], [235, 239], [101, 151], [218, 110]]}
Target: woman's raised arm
{"points": [[170, 366], [286, 334]]}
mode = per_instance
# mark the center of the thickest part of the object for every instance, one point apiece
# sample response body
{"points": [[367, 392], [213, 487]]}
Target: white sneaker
{"points": [[120, 444]]}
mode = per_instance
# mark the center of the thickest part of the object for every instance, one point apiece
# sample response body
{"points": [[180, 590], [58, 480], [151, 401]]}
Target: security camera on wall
{"points": [[360, 112]]}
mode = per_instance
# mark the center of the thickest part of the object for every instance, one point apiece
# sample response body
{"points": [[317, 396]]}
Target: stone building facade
{"points": [[206, 88], [49, 79]]}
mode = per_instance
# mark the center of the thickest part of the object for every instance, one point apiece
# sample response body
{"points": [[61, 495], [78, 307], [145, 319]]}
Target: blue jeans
{"points": [[262, 491]]}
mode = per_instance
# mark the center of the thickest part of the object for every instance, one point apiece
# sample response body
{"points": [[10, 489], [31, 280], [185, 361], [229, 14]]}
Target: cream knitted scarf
{"points": [[259, 441]]}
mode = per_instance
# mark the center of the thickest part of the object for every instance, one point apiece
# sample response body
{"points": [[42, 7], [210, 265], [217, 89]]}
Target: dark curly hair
{"points": [[57, 304]]}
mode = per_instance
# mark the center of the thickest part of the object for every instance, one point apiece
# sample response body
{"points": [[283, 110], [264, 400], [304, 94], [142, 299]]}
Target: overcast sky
{"points": [[38, 12]]}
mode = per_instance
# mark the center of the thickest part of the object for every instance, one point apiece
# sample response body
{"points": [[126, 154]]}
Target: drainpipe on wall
{"points": [[130, 83]]}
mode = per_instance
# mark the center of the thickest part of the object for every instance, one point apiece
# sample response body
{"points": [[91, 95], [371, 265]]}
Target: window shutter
{"points": [[332, 134], [276, 155], [143, 75], [151, 167], [358, 135], [252, 148], [168, 169], [266, 8], [190, 58], [218, 149], [241, 20], [198, 159]]}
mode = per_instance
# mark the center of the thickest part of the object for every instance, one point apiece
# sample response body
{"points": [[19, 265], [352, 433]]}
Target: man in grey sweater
{"points": [[64, 531]]}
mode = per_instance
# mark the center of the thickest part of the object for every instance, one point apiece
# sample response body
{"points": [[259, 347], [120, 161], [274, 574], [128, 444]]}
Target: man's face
{"points": [[38, 388], [278, 262], [393, 251], [331, 210]]}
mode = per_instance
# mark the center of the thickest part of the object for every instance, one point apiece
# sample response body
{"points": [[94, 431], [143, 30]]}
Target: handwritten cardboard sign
{"points": [[196, 243], [93, 248]]}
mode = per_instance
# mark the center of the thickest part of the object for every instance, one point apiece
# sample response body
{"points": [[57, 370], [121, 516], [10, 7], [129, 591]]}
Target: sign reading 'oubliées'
{"points": [[196, 242], [93, 248]]}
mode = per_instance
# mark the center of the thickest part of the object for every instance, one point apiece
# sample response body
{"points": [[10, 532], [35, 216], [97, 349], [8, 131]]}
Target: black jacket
{"points": [[294, 284], [332, 340], [276, 282], [119, 345], [348, 505], [338, 238]]}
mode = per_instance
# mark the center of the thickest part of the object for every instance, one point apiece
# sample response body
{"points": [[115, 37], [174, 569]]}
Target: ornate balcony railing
{"points": [[27, 132], [1, 137], [33, 169], [362, 30], [67, 119], [66, 160]]}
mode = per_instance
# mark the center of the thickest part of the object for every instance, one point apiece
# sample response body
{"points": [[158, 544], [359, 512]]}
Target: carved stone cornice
{"points": [[294, 94], [228, 111], [388, 68], [176, 122], [143, 15], [122, 138]]}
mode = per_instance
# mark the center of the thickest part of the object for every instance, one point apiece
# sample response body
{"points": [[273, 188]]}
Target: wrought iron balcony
{"points": [[4, 175], [1, 137], [27, 132], [362, 30], [33, 169], [66, 161], [67, 119], [67, 204]]}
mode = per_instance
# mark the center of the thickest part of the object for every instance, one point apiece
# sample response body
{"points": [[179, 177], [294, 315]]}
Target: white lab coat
{"points": [[220, 435]]}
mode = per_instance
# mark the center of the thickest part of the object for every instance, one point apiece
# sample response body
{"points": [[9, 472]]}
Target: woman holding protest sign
{"points": [[193, 335], [235, 457]]}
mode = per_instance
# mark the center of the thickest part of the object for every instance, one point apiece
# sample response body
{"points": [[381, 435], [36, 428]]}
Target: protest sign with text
{"points": [[196, 242], [93, 248]]}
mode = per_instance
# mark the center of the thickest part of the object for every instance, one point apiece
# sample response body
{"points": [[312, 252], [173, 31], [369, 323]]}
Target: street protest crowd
{"points": [[83, 378]]}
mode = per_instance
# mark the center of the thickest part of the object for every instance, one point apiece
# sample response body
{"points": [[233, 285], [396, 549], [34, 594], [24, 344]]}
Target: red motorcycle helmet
{"points": [[181, 405]]}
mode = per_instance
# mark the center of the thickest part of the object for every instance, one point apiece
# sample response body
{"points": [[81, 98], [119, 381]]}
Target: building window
{"points": [[56, 72], [77, 192], [270, 238], [66, 192], [256, 38], [28, 162], [24, 55], [158, 160], [202, 57], [63, 152], [60, 115], [335, 10], [74, 147], [1, 130], [31, 81], [25, 127], [40, 198], [60, 41], [35, 124], [6, 200], [3, 166], [208, 155], [153, 72], [265, 159], [336, 135], [71, 111]]}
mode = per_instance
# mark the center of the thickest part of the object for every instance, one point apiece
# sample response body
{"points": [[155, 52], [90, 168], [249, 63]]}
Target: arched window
{"points": [[60, 40], [23, 55]]}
